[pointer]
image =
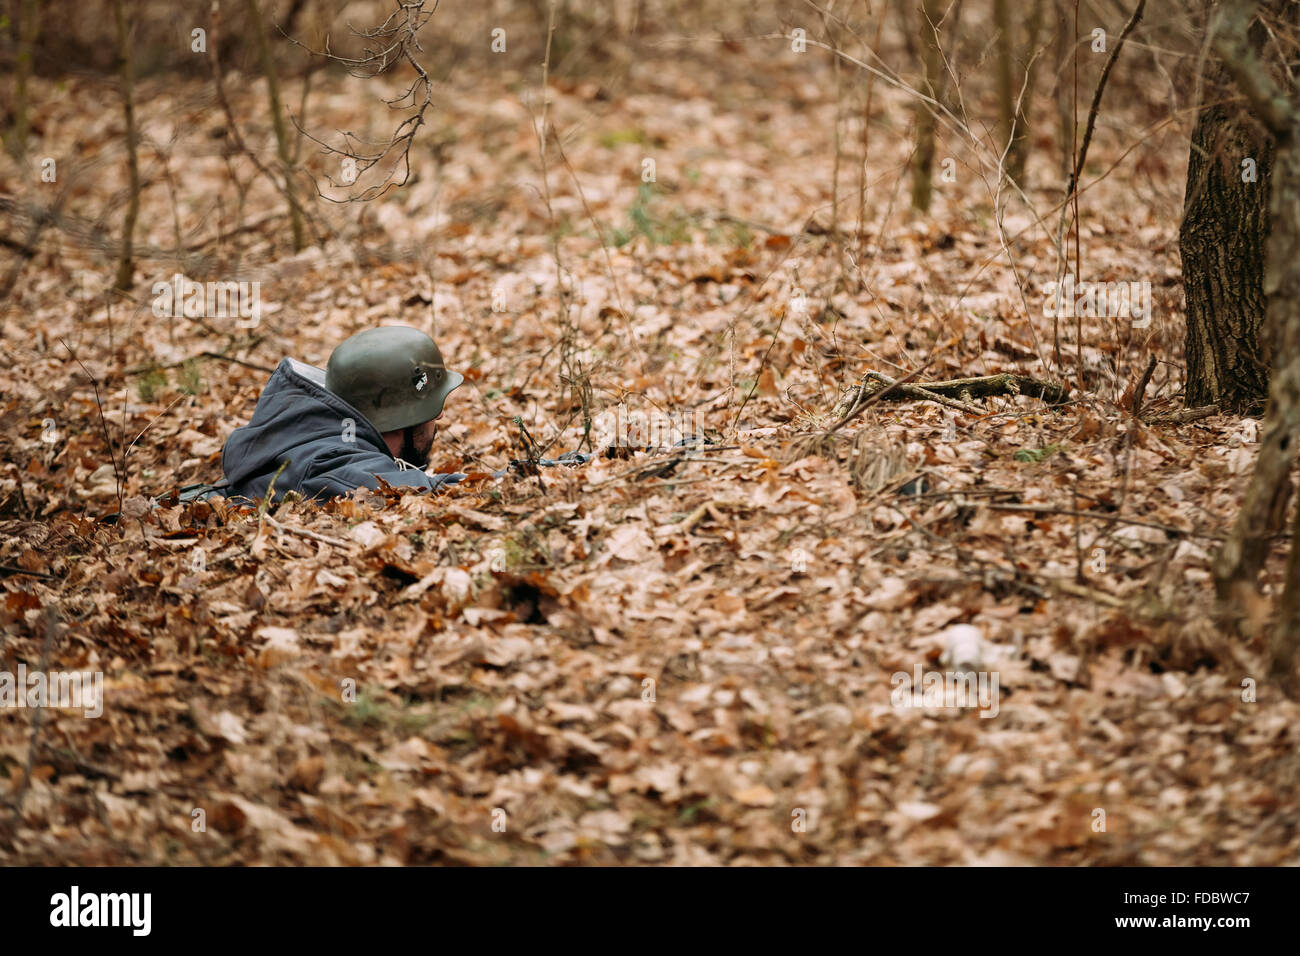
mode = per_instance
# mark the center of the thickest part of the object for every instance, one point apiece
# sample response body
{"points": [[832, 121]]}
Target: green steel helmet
{"points": [[394, 375]]}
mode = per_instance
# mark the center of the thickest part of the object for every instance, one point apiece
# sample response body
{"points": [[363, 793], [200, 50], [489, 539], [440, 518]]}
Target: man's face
{"points": [[417, 443]]}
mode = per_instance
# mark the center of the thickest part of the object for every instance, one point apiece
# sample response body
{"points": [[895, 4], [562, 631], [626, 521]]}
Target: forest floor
{"points": [[609, 665]]}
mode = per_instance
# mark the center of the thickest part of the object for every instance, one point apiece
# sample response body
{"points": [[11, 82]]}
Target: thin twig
{"points": [[219, 356], [1097, 94], [103, 424], [1183, 416], [1142, 386], [315, 536], [1109, 518], [922, 393], [859, 404]]}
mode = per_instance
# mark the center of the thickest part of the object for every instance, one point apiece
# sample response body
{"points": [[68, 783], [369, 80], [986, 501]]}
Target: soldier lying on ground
{"points": [[370, 414]]}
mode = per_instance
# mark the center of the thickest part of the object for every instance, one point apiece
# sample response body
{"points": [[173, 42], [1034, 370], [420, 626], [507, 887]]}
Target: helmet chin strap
{"points": [[410, 454]]}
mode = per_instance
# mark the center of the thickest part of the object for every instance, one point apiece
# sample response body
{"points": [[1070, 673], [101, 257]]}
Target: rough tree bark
{"points": [[1222, 239]]}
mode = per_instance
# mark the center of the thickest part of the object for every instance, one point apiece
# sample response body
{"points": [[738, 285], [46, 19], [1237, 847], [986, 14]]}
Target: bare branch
{"points": [[1232, 42], [397, 37]]}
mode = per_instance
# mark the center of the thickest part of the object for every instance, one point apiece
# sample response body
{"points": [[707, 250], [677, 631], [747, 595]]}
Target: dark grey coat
{"points": [[297, 419]]}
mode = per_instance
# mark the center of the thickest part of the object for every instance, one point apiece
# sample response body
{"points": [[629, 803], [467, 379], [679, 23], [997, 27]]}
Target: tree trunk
{"points": [[25, 31], [125, 263], [1016, 68], [1063, 91], [277, 122], [1011, 132], [1222, 238], [923, 161], [1262, 509]]}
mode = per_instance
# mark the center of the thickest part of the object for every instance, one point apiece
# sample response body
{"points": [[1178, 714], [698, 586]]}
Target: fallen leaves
{"points": [[684, 666], [278, 645], [755, 796], [631, 543]]}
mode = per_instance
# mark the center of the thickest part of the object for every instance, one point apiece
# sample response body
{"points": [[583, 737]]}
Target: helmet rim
{"points": [[393, 375]]}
